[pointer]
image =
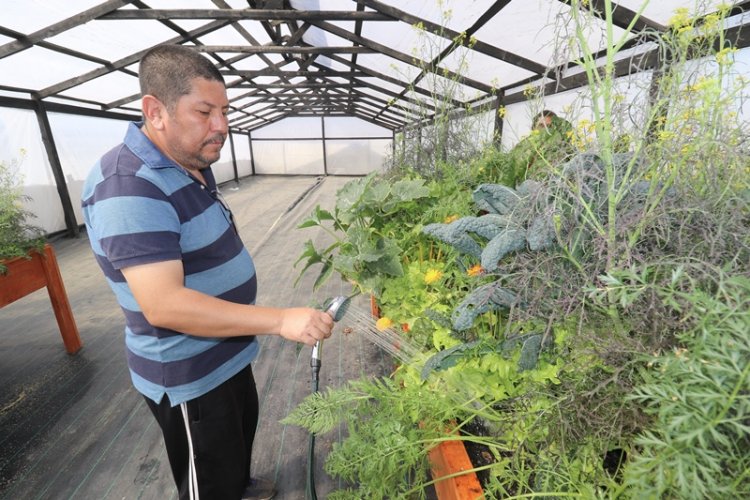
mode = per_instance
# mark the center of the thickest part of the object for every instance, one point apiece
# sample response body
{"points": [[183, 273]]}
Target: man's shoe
{"points": [[259, 489]]}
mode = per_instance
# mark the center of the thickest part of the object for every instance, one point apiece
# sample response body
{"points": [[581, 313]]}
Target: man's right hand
{"points": [[306, 325]]}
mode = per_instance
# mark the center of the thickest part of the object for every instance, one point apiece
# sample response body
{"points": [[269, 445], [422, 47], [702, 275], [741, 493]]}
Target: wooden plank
{"points": [[450, 458], [28, 275], [23, 277], [60, 304]]}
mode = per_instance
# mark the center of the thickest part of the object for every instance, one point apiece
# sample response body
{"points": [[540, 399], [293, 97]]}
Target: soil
{"points": [[479, 454]]}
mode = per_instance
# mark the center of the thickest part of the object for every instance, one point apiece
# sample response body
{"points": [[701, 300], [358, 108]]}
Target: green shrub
{"points": [[699, 397], [17, 235]]}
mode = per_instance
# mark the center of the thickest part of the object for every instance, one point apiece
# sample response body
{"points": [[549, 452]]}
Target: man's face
{"points": [[543, 122], [197, 127]]}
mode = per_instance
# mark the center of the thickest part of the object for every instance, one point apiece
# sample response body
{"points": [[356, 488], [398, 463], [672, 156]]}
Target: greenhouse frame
{"points": [[348, 121]]}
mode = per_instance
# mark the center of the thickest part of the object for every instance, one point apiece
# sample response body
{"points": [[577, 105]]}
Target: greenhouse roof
{"points": [[381, 61]]}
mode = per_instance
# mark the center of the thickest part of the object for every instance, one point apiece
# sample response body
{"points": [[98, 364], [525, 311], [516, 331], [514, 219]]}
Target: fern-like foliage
{"points": [[321, 412], [699, 396], [391, 429]]}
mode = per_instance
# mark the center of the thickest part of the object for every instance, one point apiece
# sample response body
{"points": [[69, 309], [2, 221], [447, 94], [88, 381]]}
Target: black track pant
{"points": [[217, 431]]}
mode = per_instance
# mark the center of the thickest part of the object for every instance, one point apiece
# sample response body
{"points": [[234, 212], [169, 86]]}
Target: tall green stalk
{"points": [[601, 83]]}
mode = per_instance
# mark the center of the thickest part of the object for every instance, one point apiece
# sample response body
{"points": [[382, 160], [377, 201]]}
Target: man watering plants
{"points": [[172, 255]]}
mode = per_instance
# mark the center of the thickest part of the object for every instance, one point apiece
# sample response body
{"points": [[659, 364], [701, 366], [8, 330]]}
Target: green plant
{"points": [[596, 251], [17, 235], [445, 128], [361, 252], [392, 424], [699, 396]]}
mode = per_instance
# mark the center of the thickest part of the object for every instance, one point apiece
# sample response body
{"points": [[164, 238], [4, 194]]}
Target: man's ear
{"points": [[154, 111]]}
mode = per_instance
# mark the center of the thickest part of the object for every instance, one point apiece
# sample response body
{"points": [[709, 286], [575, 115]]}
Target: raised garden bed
{"points": [[25, 275]]}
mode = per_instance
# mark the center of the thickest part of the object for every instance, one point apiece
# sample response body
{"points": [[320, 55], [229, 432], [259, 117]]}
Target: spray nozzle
{"points": [[336, 308]]}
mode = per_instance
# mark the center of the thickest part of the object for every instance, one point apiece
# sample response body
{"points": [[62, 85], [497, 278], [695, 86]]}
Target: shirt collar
{"points": [[142, 146]]}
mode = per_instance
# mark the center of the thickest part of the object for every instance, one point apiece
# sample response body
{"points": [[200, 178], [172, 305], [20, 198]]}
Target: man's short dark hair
{"points": [[167, 71], [546, 113]]}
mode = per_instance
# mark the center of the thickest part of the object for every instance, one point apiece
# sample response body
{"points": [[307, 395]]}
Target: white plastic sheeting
{"points": [[81, 140]]}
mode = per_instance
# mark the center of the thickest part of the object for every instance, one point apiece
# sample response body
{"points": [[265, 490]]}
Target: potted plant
{"points": [[27, 262]]}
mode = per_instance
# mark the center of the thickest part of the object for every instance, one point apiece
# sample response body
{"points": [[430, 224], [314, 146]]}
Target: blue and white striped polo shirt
{"points": [[141, 207]]}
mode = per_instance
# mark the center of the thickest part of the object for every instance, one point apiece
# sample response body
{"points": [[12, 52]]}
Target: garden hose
{"points": [[336, 309]]}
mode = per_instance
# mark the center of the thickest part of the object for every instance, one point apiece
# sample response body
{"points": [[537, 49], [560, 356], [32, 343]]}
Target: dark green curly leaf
{"points": [[509, 240], [438, 318], [461, 241], [484, 298], [496, 198], [530, 352], [541, 232], [446, 358], [487, 226]]}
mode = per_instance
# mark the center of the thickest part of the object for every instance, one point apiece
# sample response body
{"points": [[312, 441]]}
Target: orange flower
{"points": [[383, 323], [475, 270], [432, 276], [405, 327]]}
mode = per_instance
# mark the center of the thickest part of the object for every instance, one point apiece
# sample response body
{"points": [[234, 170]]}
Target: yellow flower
{"points": [[432, 276], [680, 18], [450, 218], [724, 56], [502, 111], [475, 270], [666, 135], [383, 323]]}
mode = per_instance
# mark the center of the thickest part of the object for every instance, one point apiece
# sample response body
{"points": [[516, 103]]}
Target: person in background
{"points": [[548, 144], [171, 253]]}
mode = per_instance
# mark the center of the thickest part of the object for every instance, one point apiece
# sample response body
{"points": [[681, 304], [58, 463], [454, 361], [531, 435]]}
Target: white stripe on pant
{"points": [[194, 495]]}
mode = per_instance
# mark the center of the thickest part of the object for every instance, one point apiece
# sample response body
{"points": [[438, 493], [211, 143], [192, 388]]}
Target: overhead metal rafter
{"points": [[458, 39], [247, 15], [57, 28]]}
